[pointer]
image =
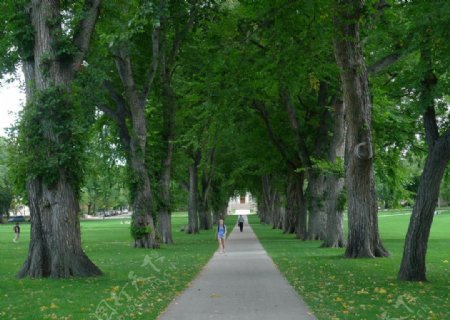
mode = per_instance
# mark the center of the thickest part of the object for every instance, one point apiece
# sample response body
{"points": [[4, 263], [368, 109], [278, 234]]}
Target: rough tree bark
{"points": [[363, 235], [316, 205], [55, 246], [334, 235], [292, 209], [193, 218], [129, 116], [169, 109], [413, 267], [267, 199], [134, 101], [260, 209], [271, 199], [204, 201], [300, 206]]}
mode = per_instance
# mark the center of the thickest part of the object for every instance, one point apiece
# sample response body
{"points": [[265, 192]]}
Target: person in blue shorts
{"points": [[221, 234]]}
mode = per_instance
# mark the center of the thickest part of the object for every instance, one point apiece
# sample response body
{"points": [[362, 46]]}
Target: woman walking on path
{"points": [[241, 222], [221, 234]]}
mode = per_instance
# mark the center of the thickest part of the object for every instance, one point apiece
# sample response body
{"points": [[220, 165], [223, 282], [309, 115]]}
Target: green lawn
{"points": [[338, 288], [137, 283]]}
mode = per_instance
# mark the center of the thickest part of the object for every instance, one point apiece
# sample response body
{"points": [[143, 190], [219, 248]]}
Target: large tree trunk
{"points": [[203, 205], [292, 211], [204, 214], [55, 245], [334, 235], [130, 117], [193, 219], [413, 266], [316, 205], [261, 208], [169, 103], [268, 194], [413, 262], [206, 184], [300, 208], [142, 226], [131, 106], [276, 205], [363, 235]]}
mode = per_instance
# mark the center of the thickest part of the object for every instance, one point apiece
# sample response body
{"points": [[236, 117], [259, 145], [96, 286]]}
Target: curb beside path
{"points": [[243, 283]]}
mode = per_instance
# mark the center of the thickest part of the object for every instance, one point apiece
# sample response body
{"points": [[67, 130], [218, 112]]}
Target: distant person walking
{"points": [[241, 222], [16, 232], [221, 234]]}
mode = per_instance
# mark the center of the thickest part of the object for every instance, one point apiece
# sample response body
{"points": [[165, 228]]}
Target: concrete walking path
{"points": [[243, 283]]}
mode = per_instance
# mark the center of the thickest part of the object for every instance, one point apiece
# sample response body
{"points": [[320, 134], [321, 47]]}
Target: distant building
{"points": [[20, 210], [243, 204]]}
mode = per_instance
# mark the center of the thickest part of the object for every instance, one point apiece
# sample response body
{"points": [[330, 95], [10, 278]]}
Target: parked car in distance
{"points": [[17, 219]]}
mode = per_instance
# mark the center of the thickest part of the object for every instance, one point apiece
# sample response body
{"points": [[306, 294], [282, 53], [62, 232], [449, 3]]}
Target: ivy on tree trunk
{"points": [[51, 141]]}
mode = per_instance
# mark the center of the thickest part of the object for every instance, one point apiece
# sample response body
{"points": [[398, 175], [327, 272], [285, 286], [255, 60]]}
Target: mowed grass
{"points": [[339, 288], [137, 283]]}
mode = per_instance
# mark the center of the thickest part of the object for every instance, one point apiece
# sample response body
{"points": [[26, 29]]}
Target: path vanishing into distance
{"points": [[243, 283]]}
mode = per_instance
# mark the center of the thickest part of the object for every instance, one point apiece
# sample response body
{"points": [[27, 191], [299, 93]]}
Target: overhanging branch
{"points": [[383, 63], [277, 142], [84, 30]]}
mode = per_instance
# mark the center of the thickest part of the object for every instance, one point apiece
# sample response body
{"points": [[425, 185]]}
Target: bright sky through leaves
{"points": [[11, 100]]}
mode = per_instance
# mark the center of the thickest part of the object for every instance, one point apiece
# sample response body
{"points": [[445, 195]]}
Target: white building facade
{"points": [[243, 204]]}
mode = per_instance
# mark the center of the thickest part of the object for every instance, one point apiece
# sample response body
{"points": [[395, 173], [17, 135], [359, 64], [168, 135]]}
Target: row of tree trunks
{"points": [[291, 217], [323, 192], [363, 238], [271, 202], [315, 189], [292, 210], [200, 213]]}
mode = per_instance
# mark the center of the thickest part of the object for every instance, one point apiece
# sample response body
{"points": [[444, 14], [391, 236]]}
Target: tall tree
{"points": [[129, 96], [53, 42], [433, 102], [334, 193], [363, 236]]}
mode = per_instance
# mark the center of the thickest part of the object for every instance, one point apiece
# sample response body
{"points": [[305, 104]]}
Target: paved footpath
{"points": [[243, 283]]}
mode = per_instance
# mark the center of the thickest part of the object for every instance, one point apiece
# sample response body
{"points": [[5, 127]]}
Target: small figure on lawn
{"points": [[16, 232]]}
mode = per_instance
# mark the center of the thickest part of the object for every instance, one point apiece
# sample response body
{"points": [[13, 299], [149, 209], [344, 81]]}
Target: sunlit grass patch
{"points": [[339, 288], [137, 283]]}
